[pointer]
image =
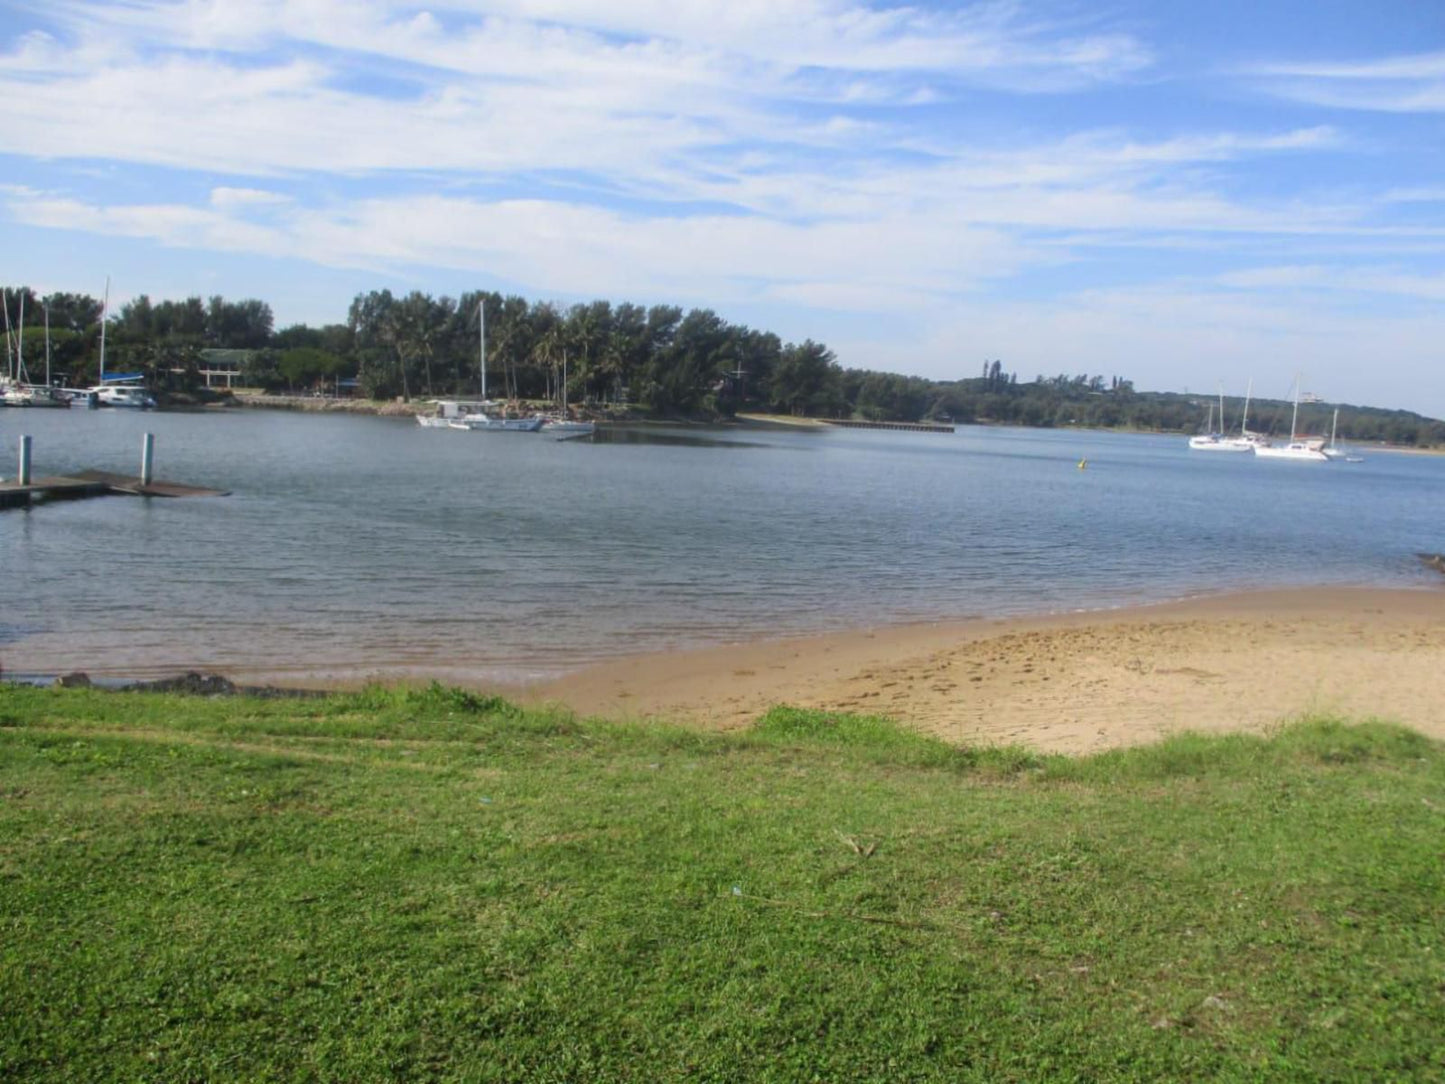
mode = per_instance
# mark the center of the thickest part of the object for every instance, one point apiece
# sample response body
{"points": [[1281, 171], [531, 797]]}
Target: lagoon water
{"points": [[357, 546]]}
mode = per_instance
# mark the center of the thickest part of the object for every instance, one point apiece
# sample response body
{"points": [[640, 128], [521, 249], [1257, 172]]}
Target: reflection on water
{"points": [[627, 434], [359, 546]]}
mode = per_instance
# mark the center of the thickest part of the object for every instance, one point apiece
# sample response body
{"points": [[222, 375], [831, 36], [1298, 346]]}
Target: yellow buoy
{"points": [[1083, 464]]}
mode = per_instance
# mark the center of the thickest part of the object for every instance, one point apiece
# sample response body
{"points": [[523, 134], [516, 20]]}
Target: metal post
{"points": [[24, 477], [147, 458]]}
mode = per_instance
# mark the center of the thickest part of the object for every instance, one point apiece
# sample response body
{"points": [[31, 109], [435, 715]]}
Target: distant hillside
{"points": [[1090, 402]]}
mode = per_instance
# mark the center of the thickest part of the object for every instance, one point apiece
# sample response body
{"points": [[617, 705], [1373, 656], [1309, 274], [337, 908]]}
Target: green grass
{"points": [[431, 885]]}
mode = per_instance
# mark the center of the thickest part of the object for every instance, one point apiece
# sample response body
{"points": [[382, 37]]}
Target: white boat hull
{"points": [[569, 428], [1214, 444], [1301, 453], [498, 425], [123, 397]]}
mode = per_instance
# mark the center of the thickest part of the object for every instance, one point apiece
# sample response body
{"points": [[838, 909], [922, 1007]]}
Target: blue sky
{"points": [[1179, 193]]}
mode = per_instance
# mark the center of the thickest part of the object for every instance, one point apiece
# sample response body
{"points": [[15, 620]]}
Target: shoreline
{"points": [[1072, 682], [396, 409], [1076, 682]]}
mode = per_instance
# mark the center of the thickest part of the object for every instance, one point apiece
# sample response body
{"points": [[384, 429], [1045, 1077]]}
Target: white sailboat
{"points": [[1301, 450], [478, 414], [1333, 448], [125, 390], [16, 388], [1246, 441], [1215, 440], [564, 426]]}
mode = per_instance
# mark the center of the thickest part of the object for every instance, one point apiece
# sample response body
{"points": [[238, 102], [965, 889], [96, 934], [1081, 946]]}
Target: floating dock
{"points": [[93, 483], [25, 490]]}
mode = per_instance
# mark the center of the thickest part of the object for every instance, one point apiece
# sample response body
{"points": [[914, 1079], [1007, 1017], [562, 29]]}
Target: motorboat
{"points": [[123, 394]]}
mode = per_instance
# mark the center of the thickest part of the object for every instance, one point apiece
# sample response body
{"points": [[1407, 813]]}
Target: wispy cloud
{"points": [[1398, 84], [960, 170]]}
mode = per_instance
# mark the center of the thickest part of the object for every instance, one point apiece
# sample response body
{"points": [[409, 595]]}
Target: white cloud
{"points": [[813, 157], [1399, 84], [246, 197], [1354, 279]]}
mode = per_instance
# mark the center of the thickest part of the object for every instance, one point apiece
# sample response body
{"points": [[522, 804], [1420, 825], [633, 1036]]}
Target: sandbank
{"points": [[1070, 683]]}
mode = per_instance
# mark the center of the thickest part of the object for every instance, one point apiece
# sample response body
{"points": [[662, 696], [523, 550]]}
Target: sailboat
{"points": [[119, 389], [15, 387], [477, 413], [563, 426], [1246, 441], [1333, 449], [1214, 440], [1301, 450]]}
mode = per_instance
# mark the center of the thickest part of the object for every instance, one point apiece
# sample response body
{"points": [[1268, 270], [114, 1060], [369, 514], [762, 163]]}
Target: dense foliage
{"points": [[660, 361]]}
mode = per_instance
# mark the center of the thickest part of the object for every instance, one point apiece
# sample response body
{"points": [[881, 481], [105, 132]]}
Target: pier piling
{"points": [[23, 475], [147, 458]]}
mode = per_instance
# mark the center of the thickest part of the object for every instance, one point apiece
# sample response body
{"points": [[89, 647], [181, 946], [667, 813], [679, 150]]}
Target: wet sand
{"points": [[1071, 683]]}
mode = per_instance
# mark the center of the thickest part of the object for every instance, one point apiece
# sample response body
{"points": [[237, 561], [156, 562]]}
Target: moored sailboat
{"points": [[478, 414], [1334, 449], [1214, 440], [1300, 449]]}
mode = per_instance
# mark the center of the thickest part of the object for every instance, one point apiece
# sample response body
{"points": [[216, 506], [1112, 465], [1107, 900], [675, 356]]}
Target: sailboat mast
{"points": [[9, 348], [1244, 418], [104, 312], [482, 342], [1294, 418], [20, 373], [47, 347], [1221, 408]]}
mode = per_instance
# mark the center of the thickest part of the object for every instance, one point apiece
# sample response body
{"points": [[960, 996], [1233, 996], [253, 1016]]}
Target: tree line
{"points": [[658, 361]]}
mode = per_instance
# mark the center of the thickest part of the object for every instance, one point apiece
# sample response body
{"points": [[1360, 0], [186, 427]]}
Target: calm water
{"points": [[354, 546]]}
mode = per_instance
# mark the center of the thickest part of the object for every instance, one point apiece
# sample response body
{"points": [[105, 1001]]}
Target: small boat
{"points": [[124, 391], [16, 389], [478, 415], [492, 423], [1300, 449], [562, 425], [567, 428], [15, 394], [1333, 449], [1215, 440]]}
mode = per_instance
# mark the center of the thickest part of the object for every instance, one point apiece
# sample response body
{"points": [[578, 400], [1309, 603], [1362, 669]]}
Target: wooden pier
{"points": [[93, 483], [25, 490]]}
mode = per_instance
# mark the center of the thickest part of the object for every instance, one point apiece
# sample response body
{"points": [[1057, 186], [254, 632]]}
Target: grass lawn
{"points": [[427, 885]]}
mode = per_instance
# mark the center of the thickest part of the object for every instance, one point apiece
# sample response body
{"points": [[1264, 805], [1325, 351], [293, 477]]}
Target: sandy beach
{"points": [[1071, 683]]}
